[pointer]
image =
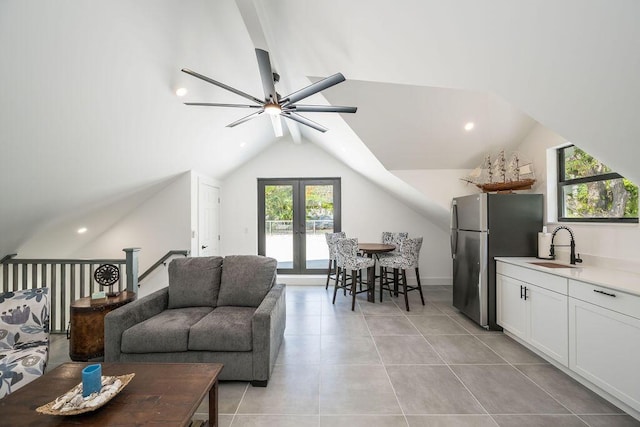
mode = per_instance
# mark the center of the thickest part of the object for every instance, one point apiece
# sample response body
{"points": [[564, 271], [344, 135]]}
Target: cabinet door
{"points": [[603, 349], [510, 306], [548, 330]]}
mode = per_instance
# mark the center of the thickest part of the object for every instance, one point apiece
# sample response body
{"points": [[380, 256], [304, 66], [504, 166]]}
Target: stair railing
{"points": [[162, 261], [67, 279]]}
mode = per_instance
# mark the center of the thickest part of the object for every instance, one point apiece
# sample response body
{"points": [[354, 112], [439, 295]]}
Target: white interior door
{"points": [[208, 219]]}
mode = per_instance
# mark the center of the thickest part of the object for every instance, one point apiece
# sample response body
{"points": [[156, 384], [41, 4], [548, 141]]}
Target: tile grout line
{"points": [[375, 345], [451, 370], [523, 374], [233, 417]]}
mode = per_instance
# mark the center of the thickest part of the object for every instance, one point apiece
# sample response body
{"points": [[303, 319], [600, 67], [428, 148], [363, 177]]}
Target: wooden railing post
{"points": [[132, 268]]}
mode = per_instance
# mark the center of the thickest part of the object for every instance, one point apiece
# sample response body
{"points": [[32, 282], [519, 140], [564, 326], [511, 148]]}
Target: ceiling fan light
{"points": [[272, 109]]}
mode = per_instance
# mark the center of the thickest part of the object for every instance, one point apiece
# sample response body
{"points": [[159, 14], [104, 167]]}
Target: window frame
{"points": [[563, 182]]}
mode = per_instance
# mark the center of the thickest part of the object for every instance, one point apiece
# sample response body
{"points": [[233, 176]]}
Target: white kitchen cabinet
{"points": [[510, 306], [533, 312], [549, 330], [604, 326]]}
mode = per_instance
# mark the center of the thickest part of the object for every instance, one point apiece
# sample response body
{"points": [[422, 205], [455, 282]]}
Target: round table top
{"points": [[375, 248]]}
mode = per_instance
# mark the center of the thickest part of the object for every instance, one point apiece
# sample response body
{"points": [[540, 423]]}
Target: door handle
{"points": [[204, 247]]}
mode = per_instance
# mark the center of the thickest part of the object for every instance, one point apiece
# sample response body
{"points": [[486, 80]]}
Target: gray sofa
{"points": [[225, 310]]}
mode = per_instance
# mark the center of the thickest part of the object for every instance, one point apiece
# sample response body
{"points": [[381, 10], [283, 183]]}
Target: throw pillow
{"points": [[24, 318], [194, 282]]}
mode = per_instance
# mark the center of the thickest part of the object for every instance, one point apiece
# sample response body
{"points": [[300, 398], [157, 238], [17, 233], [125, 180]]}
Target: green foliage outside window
{"points": [[590, 189], [278, 201], [319, 201]]}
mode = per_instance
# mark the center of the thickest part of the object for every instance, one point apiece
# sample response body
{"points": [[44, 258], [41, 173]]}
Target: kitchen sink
{"points": [[551, 265]]}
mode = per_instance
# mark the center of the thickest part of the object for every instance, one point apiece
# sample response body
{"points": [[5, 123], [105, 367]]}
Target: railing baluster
{"points": [[63, 292], [73, 289], [5, 277], [92, 282], [34, 276], [14, 281], [52, 288], [24, 276], [83, 274]]}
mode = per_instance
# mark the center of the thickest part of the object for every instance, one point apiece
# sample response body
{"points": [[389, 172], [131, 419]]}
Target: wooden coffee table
{"points": [[160, 393]]}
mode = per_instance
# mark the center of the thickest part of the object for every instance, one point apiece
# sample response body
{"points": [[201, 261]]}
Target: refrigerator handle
{"points": [[454, 214], [454, 228], [454, 242]]}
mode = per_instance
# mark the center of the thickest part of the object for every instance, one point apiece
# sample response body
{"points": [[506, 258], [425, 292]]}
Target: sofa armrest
{"points": [[269, 321], [122, 318]]}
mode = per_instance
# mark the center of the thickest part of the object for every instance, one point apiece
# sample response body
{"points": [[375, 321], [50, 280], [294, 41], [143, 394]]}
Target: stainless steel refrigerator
{"points": [[484, 226]]}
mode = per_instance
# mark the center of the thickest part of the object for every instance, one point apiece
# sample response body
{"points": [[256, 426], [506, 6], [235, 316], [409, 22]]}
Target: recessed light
{"points": [[82, 230], [243, 144], [469, 126], [181, 91]]}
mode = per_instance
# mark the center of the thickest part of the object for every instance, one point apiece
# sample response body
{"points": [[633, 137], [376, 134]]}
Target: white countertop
{"points": [[619, 280]]}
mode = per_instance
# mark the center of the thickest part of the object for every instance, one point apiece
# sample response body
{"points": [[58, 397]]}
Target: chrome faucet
{"points": [[573, 257]]}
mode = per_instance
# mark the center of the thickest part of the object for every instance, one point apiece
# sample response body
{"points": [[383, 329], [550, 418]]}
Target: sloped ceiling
{"points": [[88, 112]]}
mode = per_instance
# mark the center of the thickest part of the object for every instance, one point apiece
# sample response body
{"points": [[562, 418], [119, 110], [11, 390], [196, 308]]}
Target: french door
{"points": [[294, 214]]}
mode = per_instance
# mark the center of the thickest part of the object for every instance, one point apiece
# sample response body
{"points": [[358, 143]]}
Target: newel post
{"points": [[132, 268]]}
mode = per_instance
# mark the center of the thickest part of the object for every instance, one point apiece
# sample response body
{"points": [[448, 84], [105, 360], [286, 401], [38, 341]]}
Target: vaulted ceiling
{"points": [[88, 112]]}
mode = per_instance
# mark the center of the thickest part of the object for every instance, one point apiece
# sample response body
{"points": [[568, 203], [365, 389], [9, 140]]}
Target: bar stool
{"points": [[390, 238], [407, 258], [348, 260], [396, 239], [332, 238]]}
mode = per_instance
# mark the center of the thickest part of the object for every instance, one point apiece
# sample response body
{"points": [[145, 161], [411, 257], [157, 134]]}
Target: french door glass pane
{"points": [[278, 200], [319, 221]]}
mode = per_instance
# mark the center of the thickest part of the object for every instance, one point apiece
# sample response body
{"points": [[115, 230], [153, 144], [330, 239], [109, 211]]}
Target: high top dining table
{"points": [[372, 250]]}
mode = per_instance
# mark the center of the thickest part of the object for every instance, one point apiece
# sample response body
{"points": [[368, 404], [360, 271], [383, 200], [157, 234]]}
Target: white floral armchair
{"points": [[24, 337]]}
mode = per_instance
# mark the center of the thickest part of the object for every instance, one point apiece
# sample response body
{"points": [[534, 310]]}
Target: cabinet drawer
{"points": [[544, 280], [604, 297]]}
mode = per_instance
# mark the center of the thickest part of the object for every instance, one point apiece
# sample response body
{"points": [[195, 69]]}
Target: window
{"points": [[589, 191]]}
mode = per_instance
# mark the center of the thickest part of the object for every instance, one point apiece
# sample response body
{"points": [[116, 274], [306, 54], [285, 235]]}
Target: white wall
{"points": [[160, 224], [367, 211], [617, 245], [439, 185]]}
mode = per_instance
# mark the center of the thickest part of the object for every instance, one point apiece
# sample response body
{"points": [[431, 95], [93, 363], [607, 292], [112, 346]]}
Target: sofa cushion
{"points": [[246, 279], [224, 329], [194, 282], [24, 317], [163, 333], [20, 367]]}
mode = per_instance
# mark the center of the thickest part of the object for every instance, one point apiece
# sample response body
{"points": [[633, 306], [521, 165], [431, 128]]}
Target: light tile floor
{"points": [[381, 366]]}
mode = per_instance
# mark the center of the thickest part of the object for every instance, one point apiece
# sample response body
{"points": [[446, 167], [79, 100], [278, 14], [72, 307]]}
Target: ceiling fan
{"points": [[275, 105]]}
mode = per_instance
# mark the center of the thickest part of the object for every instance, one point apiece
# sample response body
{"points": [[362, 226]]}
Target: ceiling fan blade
{"points": [[266, 73], [213, 104], [222, 85], [276, 122], [313, 88], [245, 119], [320, 109], [298, 118]]}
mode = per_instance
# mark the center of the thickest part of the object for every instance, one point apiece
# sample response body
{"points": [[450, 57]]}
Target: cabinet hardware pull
{"points": [[521, 288], [525, 293], [604, 293]]}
